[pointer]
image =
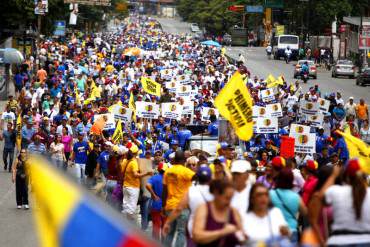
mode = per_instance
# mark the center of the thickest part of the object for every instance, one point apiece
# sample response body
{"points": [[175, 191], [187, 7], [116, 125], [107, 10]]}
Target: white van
{"points": [[281, 42]]}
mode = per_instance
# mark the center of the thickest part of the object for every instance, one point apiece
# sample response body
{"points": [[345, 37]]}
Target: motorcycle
{"points": [[269, 55], [287, 57], [305, 77]]}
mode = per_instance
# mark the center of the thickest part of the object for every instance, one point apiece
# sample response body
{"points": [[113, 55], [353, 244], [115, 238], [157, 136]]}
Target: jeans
{"points": [[79, 170], [8, 152], [179, 226], [158, 221], [21, 190], [58, 163], [359, 123], [144, 211]]}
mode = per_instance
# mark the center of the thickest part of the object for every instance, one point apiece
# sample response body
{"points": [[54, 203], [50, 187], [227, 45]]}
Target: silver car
{"points": [[344, 68]]}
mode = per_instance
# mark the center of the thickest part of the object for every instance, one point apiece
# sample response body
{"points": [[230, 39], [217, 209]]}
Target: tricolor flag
{"points": [[67, 216]]}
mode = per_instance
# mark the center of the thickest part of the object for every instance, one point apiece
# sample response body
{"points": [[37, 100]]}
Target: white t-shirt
{"points": [[7, 117], [198, 195], [340, 198], [240, 200], [261, 229], [59, 149]]}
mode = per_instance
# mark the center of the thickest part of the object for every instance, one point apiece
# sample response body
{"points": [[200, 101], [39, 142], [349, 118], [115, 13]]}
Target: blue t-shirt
{"points": [[183, 136], [103, 161], [290, 200], [341, 144], [80, 149], [213, 129], [157, 185]]}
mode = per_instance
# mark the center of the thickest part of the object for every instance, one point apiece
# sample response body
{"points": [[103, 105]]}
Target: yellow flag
{"points": [[19, 131], [272, 82], [150, 86], [270, 79], [113, 107], [357, 149], [131, 105], [118, 133], [78, 99], [235, 104]]}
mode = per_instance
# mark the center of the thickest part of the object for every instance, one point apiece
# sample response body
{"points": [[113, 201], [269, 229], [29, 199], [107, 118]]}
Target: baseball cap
{"points": [[241, 166], [352, 167], [278, 162], [204, 171], [311, 165]]}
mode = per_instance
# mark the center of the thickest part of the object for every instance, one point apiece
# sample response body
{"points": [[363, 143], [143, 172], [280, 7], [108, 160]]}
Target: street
{"points": [[258, 64]]}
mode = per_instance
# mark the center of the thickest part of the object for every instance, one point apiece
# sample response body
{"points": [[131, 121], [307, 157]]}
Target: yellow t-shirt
{"points": [[129, 179], [228, 166], [178, 180], [109, 68]]}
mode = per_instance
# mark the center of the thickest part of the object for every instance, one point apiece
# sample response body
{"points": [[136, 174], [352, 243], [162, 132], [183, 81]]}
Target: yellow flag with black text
{"points": [[118, 133], [357, 149], [132, 106], [235, 104], [150, 86], [18, 138]]}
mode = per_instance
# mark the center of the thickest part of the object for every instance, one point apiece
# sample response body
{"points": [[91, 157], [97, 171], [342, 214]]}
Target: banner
{"points": [[259, 111], [171, 110], [309, 108], [117, 136], [274, 110], [267, 95], [147, 110], [267, 125], [150, 86], [316, 120], [207, 112], [305, 142], [324, 105], [235, 104]]}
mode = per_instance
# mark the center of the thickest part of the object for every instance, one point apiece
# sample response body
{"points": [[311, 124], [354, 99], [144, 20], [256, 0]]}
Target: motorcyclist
{"points": [[288, 54], [269, 50], [305, 71]]}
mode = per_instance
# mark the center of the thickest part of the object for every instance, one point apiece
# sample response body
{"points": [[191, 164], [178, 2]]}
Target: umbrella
{"points": [[11, 55], [211, 43]]}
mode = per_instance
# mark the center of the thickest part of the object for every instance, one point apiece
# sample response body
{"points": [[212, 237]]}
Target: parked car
{"points": [[312, 69], [344, 68], [194, 27], [363, 77]]}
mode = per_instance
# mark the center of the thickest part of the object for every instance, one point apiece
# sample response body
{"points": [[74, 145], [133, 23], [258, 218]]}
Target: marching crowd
{"points": [[84, 105]]}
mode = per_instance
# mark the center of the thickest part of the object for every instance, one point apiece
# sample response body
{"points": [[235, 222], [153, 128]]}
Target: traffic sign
{"points": [[236, 8], [254, 9]]}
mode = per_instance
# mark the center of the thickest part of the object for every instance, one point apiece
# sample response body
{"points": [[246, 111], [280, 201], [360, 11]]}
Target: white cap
{"points": [[241, 166], [351, 97]]}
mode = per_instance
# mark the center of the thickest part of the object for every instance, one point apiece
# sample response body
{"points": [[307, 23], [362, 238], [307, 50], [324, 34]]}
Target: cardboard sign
{"points": [[183, 91], [208, 111], [187, 108], [287, 147], [316, 120], [274, 110], [171, 86], [259, 111], [299, 129], [171, 110], [147, 110], [267, 95], [305, 142], [309, 108], [267, 125], [124, 114], [145, 165], [183, 79], [166, 74], [110, 123], [324, 105]]}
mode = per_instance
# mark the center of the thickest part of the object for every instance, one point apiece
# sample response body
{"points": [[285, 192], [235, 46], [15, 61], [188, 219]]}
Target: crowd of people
{"points": [[246, 194]]}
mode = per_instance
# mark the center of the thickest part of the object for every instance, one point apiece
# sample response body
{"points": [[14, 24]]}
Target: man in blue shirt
{"points": [[183, 135], [79, 156], [155, 187], [36, 147], [27, 132], [103, 160], [174, 147], [213, 127]]}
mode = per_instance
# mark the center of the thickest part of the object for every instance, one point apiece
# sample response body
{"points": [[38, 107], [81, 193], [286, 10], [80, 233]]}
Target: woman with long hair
{"points": [[263, 222], [20, 178], [216, 223], [57, 152], [67, 141], [365, 131], [350, 202]]}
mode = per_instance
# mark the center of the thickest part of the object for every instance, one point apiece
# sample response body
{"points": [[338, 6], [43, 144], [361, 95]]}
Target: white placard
{"points": [[259, 111], [110, 123], [147, 110], [267, 95], [188, 108], [183, 91], [207, 111], [171, 110], [166, 74], [123, 114], [315, 120], [267, 125], [305, 143], [274, 110], [171, 86], [183, 79], [299, 129], [324, 105], [309, 108]]}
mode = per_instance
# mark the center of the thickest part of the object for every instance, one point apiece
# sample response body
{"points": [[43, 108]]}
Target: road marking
{"points": [[7, 194]]}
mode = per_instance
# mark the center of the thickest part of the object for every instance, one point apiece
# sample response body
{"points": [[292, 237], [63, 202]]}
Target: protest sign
{"points": [[309, 108], [324, 104], [166, 74], [207, 112], [187, 107], [299, 128], [147, 110], [267, 95], [316, 120], [123, 114], [267, 125], [259, 111], [183, 91], [171, 110], [183, 79], [109, 122], [274, 110], [171, 86], [305, 142], [150, 86]]}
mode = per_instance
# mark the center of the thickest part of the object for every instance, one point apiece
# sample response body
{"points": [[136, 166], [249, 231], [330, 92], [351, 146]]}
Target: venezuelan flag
{"points": [[65, 216]]}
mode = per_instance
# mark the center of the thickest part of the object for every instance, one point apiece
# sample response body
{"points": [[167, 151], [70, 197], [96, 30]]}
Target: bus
{"points": [[281, 42]]}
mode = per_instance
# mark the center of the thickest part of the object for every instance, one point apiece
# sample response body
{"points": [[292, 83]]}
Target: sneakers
{"points": [[19, 207], [26, 207]]}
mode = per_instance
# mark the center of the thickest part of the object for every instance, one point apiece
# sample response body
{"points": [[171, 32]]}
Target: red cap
{"points": [[312, 165], [353, 166], [278, 162]]}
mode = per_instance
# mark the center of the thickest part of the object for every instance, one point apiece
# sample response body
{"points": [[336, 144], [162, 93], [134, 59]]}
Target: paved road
{"points": [[259, 65]]}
